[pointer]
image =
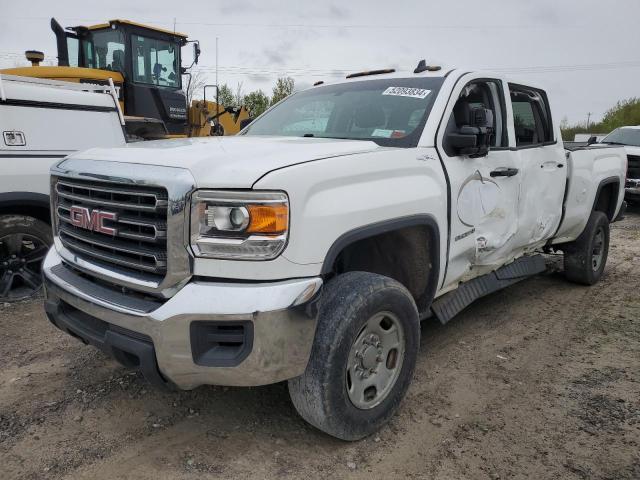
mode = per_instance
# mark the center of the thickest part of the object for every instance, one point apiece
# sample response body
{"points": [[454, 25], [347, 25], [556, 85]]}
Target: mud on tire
{"points": [[586, 257], [324, 394]]}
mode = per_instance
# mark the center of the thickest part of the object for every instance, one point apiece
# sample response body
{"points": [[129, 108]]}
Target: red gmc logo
{"points": [[92, 219]]}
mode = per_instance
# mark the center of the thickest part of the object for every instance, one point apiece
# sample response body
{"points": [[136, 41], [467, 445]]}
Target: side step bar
{"points": [[452, 303]]}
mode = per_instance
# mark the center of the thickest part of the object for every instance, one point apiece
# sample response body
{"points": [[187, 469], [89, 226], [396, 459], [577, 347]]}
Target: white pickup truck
{"points": [[629, 138], [309, 247], [42, 121]]}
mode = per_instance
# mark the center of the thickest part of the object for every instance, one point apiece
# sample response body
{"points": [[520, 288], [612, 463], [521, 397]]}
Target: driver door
{"points": [[484, 191]]}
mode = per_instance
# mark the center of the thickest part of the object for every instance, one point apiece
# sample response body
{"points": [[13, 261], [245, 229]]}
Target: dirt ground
{"points": [[541, 380]]}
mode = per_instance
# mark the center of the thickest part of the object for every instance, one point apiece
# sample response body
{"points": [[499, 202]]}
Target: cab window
{"points": [[73, 49], [108, 51], [531, 116], [487, 94], [155, 62]]}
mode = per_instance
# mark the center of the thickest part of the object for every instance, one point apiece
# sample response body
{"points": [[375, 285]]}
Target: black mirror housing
{"points": [[473, 140], [481, 117], [592, 139], [196, 52], [244, 122]]}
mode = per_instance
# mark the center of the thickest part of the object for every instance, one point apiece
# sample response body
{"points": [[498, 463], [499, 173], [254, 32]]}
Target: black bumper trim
{"points": [[132, 349]]}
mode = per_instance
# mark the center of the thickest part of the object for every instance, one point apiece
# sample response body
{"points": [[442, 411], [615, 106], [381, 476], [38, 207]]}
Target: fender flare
{"points": [[385, 226], [24, 199], [612, 208]]}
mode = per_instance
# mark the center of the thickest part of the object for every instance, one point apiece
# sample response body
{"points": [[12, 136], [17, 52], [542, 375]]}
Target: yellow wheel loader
{"points": [[144, 64]]}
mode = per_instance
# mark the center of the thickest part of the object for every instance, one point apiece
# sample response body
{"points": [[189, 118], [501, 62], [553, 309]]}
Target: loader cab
{"points": [[147, 58]]}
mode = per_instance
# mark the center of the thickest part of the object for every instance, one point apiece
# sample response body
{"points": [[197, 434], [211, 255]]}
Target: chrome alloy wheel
{"points": [[375, 360]]}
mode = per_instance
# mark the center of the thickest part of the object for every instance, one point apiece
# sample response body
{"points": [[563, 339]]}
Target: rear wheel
{"points": [[363, 356], [24, 242], [586, 257]]}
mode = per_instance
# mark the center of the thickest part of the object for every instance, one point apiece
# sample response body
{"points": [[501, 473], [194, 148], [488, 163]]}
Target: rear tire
{"points": [[586, 257], [24, 242], [363, 356]]}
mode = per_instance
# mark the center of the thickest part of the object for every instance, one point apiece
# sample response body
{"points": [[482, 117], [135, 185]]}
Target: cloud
{"points": [[338, 12], [260, 78]]}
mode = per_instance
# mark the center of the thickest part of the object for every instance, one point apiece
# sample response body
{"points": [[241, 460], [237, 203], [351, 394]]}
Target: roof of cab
{"points": [[135, 24], [444, 71]]}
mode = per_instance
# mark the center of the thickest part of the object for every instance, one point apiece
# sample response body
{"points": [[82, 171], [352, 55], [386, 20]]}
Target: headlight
{"points": [[239, 225]]}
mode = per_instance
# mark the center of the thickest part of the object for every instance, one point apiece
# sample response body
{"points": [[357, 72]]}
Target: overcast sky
{"points": [[585, 52]]}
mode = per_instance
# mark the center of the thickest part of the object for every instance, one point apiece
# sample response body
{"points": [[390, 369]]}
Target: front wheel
{"points": [[363, 356], [24, 242], [586, 257]]}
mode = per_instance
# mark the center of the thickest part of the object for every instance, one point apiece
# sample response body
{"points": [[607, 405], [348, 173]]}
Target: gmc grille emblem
{"points": [[83, 217]]}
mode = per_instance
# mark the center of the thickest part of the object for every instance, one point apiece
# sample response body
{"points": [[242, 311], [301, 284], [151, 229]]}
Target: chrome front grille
{"points": [[135, 237], [146, 205]]}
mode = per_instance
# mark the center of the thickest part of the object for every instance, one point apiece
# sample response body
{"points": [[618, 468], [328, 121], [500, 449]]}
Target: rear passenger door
{"points": [[541, 163]]}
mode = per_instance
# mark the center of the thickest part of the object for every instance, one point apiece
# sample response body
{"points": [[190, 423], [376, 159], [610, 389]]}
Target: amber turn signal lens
{"points": [[268, 219]]}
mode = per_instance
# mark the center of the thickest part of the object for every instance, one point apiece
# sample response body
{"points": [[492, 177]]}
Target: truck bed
{"points": [[590, 170]]}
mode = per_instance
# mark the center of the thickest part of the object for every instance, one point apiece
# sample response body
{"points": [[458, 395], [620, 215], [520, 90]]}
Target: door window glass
{"points": [[531, 116], [479, 94], [155, 62]]}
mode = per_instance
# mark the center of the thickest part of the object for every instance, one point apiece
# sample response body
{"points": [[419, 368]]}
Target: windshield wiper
{"points": [[614, 143], [308, 135]]}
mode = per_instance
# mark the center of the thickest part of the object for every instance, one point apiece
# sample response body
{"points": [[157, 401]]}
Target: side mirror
{"points": [[592, 139], [196, 52], [244, 122], [464, 141], [481, 117], [473, 140]]}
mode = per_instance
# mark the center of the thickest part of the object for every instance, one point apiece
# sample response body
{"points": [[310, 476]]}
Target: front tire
{"points": [[24, 242], [363, 357], [586, 257]]}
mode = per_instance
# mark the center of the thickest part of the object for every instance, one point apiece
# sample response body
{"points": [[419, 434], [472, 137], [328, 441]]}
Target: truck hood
{"points": [[631, 150], [229, 162]]}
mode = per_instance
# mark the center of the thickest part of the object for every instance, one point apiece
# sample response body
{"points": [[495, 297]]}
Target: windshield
{"points": [[105, 50], [390, 112], [624, 136]]}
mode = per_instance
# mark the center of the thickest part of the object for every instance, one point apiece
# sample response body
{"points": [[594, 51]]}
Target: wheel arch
{"points": [[607, 195], [361, 248], [32, 204]]}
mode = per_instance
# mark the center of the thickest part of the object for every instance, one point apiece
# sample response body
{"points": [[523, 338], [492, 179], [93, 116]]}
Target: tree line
{"points": [[255, 102], [624, 112]]}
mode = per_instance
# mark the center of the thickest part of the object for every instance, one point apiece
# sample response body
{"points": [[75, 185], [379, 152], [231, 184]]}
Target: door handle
{"points": [[504, 172]]}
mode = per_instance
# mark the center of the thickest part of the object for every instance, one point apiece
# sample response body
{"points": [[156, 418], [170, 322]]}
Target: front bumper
{"points": [[240, 334]]}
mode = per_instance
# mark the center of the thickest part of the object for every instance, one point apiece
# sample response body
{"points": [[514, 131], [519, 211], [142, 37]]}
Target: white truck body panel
{"points": [[55, 119], [588, 168]]}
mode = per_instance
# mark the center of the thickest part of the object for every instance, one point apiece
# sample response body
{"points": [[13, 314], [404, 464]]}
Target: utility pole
{"points": [[216, 62], [588, 119], [217, 86], [174, 24]]}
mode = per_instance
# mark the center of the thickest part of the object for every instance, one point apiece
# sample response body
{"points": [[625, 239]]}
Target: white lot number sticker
{"points": [[407, 92]]}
